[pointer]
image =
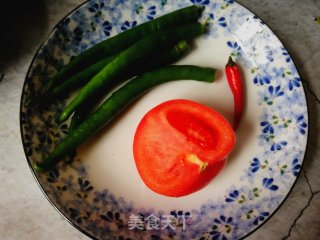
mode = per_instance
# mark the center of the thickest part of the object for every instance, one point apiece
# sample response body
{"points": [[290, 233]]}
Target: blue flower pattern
{"points": [[255, 165], [267, 183], [302, 124], [127, 25], [267, 127], [260, 218], [200, 2], [278, 145], [285, 54], [233, 196], [222, 228], [276, 87], [295, 167], [236, 49], [261, 79], [107, 27]]}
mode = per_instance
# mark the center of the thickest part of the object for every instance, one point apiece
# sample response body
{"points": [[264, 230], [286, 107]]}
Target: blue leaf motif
{"points": [[77, 34], [84, 185], [261, 79], [267, 127], [295, 167], [275, 91], [53, 176], [233, 45], [300, 118], [261, 217], [96, 7], [200, 2], [127, 25], [302, 125], [255, 165], [151, 12], [236, 49], [217, 221], [225, 224], [93, 8], [232, 196], [107, 27], [267, 183], [285, 54], [278, 146], [222, 22], [75, 214], [295, 82], [223, 220]]}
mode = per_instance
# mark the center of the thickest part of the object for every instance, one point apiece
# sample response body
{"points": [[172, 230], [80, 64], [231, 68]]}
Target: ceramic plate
{"points": [[100, 192]]}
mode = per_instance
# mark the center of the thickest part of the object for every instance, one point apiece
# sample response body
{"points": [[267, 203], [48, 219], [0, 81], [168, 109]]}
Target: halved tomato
{"points": [[180, 145]]}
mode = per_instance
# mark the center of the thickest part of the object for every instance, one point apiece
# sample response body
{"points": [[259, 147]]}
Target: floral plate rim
{"points": [[54, 205]]}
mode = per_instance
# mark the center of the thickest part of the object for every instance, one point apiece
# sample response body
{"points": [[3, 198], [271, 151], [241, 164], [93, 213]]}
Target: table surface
{"points": [[24, 210]]}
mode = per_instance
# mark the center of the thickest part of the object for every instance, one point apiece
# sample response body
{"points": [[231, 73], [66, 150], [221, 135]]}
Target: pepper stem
{"points": [[192, 158], [230, 62]]}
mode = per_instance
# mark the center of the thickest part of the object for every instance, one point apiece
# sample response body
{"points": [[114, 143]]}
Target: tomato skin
{"points": [[180, 145]]}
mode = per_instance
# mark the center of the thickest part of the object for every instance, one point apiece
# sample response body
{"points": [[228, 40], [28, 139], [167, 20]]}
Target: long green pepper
{"points": [[117, 102], [123, 40], [74, 82], [137, 53], [167, 58]]}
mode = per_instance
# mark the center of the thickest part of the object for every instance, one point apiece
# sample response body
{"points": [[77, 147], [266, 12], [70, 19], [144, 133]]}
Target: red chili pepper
{"points": [[235, 83]]}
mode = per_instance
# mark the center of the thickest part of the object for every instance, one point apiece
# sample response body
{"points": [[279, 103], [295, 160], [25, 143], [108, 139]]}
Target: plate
{"points": [[100, 191]]}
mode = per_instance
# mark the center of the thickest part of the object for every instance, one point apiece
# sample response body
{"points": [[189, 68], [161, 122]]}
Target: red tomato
{"points": [[180, 145]]}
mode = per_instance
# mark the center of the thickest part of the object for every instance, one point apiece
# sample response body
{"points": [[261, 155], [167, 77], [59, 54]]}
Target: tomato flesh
{"points": [[193, 128], [180, 145]]}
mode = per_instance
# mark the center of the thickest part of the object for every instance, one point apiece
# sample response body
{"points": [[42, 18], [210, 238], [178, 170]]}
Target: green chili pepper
{"points": [[72, 83], [117, 102], [122, 41], [135, 54], [167, 58]]}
